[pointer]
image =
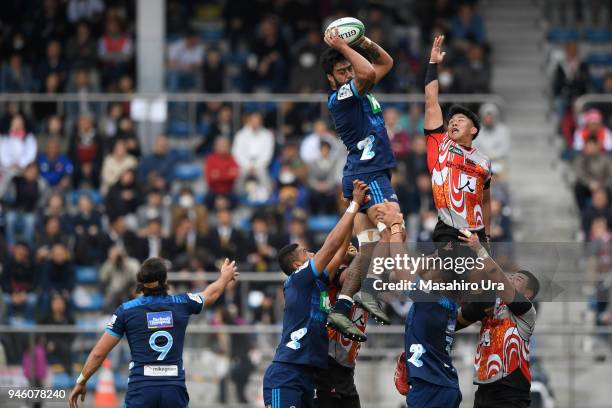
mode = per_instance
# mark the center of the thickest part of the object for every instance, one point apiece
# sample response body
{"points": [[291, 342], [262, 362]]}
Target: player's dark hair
{"points": [[286, 257], [532, 282], [329, 58], [460, 109], [153, 270]]}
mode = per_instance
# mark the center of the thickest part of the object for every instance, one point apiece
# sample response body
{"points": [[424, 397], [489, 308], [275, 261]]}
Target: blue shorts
{"points": [[288, 385], [424, 394], [380, 187], [157, 396]]}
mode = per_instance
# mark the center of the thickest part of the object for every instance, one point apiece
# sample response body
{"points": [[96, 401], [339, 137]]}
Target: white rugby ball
{"points": [[350, 29]]}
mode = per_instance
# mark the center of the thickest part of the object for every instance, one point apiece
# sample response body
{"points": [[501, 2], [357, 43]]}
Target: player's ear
{"points": [[331, 80], [473, 131]]}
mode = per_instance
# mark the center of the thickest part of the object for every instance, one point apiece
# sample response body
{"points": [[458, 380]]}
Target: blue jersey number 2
{"points": [[161, 349], [367, 146], [417, 351]]}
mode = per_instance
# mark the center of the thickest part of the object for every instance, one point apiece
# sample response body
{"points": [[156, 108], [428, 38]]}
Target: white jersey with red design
{"points": [[342, 349], [503, 345], [458, 178]]}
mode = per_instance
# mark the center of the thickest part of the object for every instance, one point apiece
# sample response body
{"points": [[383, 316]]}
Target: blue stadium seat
{"points": [[598, 35], [212, 35], [183, 155], [322, 223], [86, 274], [95, 303], [599, 59], [88, 323], [62, 381], [179, 128], [94, 195], [188, 172], [21, 322], [561, 35]]}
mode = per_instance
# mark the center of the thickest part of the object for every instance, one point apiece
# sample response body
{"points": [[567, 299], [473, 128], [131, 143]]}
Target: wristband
{"points": [[352, 208], [482, 253], [81, 379], [432, 73], [381, 226]]}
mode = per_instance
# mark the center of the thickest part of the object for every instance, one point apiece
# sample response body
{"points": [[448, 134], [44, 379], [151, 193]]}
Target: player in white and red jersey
{"points": [[502, 355], [460, 173]]}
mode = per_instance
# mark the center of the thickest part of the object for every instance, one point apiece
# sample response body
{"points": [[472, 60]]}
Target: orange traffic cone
{"points": [[106, 394]]}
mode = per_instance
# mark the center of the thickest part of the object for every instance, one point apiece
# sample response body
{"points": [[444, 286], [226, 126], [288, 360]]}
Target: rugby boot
{"points": [[368, 302], [344, 325]]}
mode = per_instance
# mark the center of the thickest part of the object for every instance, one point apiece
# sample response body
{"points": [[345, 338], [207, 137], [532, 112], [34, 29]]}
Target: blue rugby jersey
{"points": [[429, 335], [155, 329], [361, 127], [304, 337]]}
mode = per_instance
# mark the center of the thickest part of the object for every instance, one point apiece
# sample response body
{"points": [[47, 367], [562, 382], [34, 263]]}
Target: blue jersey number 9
{"points": [[161, 349], [367, 146]]}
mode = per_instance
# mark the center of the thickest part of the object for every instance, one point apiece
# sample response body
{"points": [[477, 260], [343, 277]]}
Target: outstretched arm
{"points": [[98, 354], [229, 273], [381, 60], [344, 227], [365, 74], [433, 111]]}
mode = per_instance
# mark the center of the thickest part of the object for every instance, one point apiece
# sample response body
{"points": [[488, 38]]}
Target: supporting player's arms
{"points": [[433, 111], [365, 74], [394, 220], [228, 273], [339, 258], [344, 227], [98, 354], [381, 60]]}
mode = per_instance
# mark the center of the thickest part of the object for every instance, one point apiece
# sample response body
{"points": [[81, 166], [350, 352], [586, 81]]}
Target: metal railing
{"points": [[581, 101]]}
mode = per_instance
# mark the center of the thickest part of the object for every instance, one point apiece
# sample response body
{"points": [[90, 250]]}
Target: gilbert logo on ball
{"points": [[349, 29]]}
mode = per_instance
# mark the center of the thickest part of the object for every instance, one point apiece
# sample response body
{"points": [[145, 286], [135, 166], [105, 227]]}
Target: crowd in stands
{"points": [[80, 193], [581, 63]]}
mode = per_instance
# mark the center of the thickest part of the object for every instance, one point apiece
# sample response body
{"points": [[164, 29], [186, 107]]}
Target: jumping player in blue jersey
{"points": [[289, 380], [154, 325], [358, 119]]}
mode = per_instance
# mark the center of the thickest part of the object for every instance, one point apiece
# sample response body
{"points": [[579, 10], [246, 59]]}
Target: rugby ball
{"points": [[350, 29]]}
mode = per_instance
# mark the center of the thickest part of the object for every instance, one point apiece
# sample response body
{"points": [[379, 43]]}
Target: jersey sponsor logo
{"points": [[456, 150], [297, 335], [374, 104], [112, 321], [159, 320], [195, 297], [344, 92], [161, 370]]}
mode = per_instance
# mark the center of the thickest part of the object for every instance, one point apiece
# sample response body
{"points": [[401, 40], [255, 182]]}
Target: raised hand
{"points": [[229, 270], [470, 240], [436, 50], [388, 214], [360, 192], [332, 38]]}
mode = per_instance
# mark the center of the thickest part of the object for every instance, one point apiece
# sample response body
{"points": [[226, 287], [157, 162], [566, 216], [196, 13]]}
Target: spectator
{"points": [[263, 245], [18, 148], [19, 282], [222, 126], [474, 76], [89, 247], [51, 235], [58, 272], [468, 26], [323, 182], [416, 161], [159, 164], [593, 171], [399, 138], [27, 194], [213, 72], [115, 164], [267, 63], [54, 207], [49, 23], [298, 232], [224, 241], [59, 345], [155, 207], [85, 152], [221, 171], [185, 58], [51, 86], [188, 207], [593, 129], [501, 223], [600, 208], [414, 122], [124, 197], [53, 128], [310, 149], [604, 107], [88, 10], [82, 82], [253, 149], [571, 79], [81, 49], [494, 138], [53, 63], [55, 167], [118, 278], [15, 76], [109, 124], [306, 74], [182, 243], [127, 133], [115, 51]]}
